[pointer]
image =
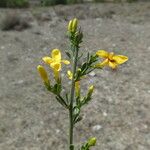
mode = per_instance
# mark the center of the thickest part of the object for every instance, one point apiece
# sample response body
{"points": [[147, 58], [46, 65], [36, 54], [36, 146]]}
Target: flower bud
{"points": [[77, 88], [91, 142], [74, 24], [70, 26], [43, 74], [91, 88]]}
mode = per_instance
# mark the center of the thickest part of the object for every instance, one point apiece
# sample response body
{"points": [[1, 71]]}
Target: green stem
{"points": [[75, 57]]}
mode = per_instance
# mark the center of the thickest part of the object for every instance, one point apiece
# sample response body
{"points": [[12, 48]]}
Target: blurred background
{"points": [[118, 115]]}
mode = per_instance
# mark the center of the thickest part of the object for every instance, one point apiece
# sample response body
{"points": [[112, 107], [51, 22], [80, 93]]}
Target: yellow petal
{"points": [[69, 73], [47, 60], [56, 55], [120, 59], [113, 65], [102, 64], [110, 56], [43, 73], [102, 53], [66, 62], [56, 66]]}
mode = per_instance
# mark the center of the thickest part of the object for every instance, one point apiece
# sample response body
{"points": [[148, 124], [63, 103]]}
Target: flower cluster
{"points": [[73, 100]]}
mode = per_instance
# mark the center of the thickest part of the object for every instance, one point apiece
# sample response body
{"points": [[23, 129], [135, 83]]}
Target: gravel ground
{"points": [[118, 115]]}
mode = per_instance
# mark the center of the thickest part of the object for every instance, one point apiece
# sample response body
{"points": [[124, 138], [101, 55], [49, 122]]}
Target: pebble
{"points": [[105, 114], [20, 81], [92, 74], [57, 131], [96, 127]]}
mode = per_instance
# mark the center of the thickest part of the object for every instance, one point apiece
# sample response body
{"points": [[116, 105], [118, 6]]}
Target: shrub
{"points": [[52, 2], [14, 3], [56, 2], [3, 3], [130, 1], [99, 0], [74, 1], [14, 22]]}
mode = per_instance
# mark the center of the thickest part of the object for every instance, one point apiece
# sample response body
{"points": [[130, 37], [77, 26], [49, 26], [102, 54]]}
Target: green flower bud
{"points": [[90, 91], [91, 142], [74, 25], [70, 26]]}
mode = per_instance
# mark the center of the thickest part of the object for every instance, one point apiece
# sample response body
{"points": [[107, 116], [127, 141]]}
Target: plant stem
{"points": [[75, 57]]}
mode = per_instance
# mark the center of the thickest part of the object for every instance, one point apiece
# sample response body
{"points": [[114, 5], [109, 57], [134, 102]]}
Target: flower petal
{"points": [[65, 62], [120, 59], [110, 56], [102, 53], [56, 66], [102, 64], [56, 55], [113, 65], [47, 60]]}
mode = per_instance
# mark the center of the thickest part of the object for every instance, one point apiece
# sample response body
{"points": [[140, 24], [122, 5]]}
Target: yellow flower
{"points": [[72, 26], [55, 61], [43, 73], [110, 59]]}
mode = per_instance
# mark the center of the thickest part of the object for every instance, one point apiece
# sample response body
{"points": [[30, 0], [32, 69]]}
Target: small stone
{"points": [[20, 81], [105, 114], [114, 45], [96, 127], [57, 131], [92, 74]]}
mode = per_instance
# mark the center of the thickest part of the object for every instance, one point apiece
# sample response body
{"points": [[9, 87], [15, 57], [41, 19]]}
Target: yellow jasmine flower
{"points": [[43, 73], [110, 59], [55, 60]]}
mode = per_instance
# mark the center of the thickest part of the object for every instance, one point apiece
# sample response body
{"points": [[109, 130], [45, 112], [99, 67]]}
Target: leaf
{"points": [[79, 118], [61, 101], [68, 54]]}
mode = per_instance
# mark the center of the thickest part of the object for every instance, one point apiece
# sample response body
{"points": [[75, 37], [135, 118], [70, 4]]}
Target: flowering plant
{"points": [[72, 100]]}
